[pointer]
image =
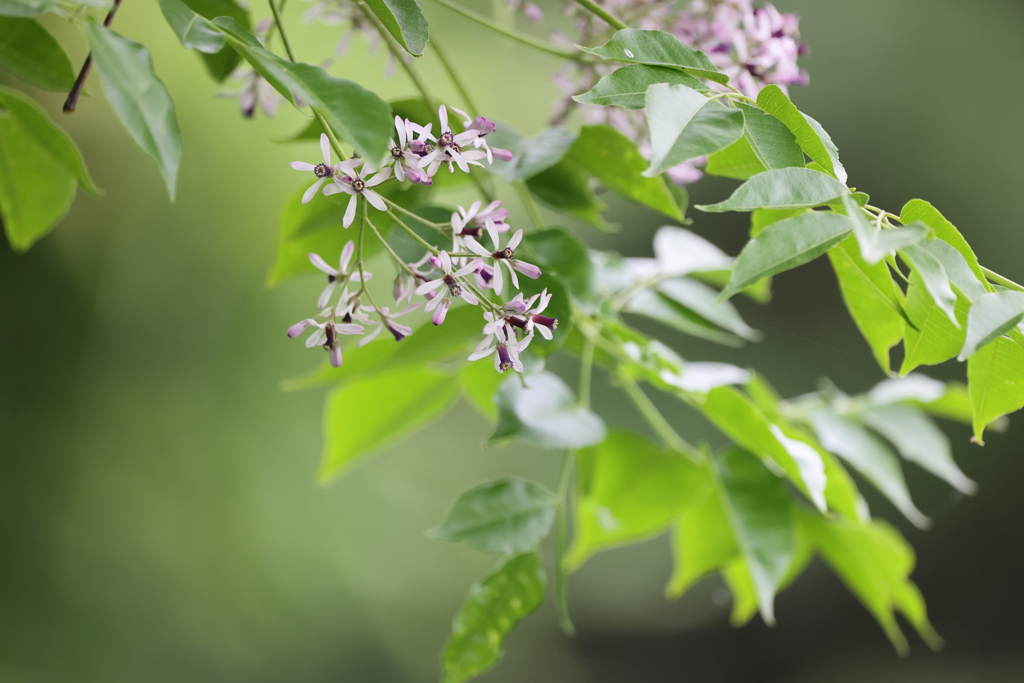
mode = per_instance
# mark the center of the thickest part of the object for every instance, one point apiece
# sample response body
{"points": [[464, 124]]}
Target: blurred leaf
{"points": [[920, 210], [681, 252], [870, 296], [785, 245], [493, 608], [404, 21], [369, 413], [869, 456], [784, 188], [735, 161], [685, 124], [991, 316], [505, 516], [544, 413], [358, 115], [627, 87], [29, 52], [918, 440], [934, 278], [703, 540], [656, 48], [930, 338], [25, 8], [658, 306], [910, 388], [565, 187], [995, 378], [815, 144], [615, 161], [560, 308], [192, 29], [138, 97], [559, 252], [530, 155], [303, 228], [703, 301], [480, 382], [874, 562], [627, 490]]}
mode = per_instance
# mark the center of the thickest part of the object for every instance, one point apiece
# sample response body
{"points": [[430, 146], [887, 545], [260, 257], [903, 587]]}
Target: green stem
{"points": [[561, 540], [532, 209], [608, 17], [1000, 280], [654, 416], [359, 257], [394, 255], [412, 233], [586, 371], [436, 226], [399, 54], [512, 34], [454, 77]]}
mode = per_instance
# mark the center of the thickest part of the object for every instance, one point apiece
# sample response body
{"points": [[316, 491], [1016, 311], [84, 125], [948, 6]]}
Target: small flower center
{"points": [[330, 336], [331, 278], [396, 152], [455, 147], [322, 171], [505, 359], [505, 253], [446, 139], [453, 286], [358, 184]]}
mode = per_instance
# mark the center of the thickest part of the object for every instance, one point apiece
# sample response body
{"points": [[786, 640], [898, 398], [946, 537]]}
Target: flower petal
{"points": [[302, 166], [325, 295], [325, 148], [321, 265], [516, 239], [373, 335], [346, 255], [428, 286], [441, 311], [308, 195], [350, 212]]}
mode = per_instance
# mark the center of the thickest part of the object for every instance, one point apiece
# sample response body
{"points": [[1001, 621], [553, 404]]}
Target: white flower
{"points": [[534, 319], [440, 304], [321, 171], [504, 255], [505, 347], [388, 320], [354, 184], [406, 161], [448, 148], [326, 334], [336, 276]]}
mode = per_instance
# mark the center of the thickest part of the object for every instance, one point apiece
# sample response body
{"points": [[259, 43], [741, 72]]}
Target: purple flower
{"points": [[503, 345], [336, 276], [353, 184], [448, 148], [440, 304], [407, 162], [387, 319], [323, 171], [504, 255], [326, 334]]}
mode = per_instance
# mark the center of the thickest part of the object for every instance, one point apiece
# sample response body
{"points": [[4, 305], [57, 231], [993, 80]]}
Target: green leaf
{"points": [[560, 307], [614, 159], [29, 52], [786, 245], [808, 132], [138, 97], [223, 63], [627, 87], [25, 8], [559, 252], [493, 608], [933, 277], [875, 243], [918, 440], [627, 490], [480, 383], [870, 296], [47, 135], [784, 188], [762, 218], [956, 267], [544, 413], [36, 189], [530, 155], [667, 310], [404, 21], [874, 561], [505, 516], [685, 124], [771, 141], [995, 378], [703, 301], [358, 115], [703, 540], [869, 456], [193, 30], [991, 316], [565, 187], [656, 48], [304, 228], [930, 337], [681, 252], [738, 161], [369, 413], [920, 210]]}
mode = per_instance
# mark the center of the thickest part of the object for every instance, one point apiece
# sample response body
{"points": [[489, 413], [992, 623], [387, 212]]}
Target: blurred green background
{"points": [[158, 513]]}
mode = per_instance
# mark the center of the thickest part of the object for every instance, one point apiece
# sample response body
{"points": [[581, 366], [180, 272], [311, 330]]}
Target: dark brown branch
{"points": [[76, 90]]}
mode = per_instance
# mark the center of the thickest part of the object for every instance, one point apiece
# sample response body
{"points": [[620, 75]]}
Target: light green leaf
{"points": [[627, 490], [762, 218], [920, 210], [930, 337], [479, 382], [493, 608], [874, 561], [656, 48], [685, 124], [875, 243], [786, 245], [934, 278], [25, 8], [918, 440], [627, 87], [192, 29], [358, 115], [138, 97], [545, 413], [404, 21], [809, 461], [869, 456], [995, 378], [505, 516], [558, 252], [703, 540], [956, 267], [531, 155], [658, 306], [738, 161], [29, 52], [809, 135], [369, 413], [991, 316], [681, 252], [784, 188], [565, 187], [703, 301], [870, 296], [770, 139], [614, 159]]}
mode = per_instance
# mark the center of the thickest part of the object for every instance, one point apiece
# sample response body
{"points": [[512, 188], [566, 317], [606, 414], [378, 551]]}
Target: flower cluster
{"points": [[754, 46]]}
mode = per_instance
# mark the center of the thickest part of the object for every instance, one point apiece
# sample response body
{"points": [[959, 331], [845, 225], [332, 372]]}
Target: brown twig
{"points": [[76, 90]]}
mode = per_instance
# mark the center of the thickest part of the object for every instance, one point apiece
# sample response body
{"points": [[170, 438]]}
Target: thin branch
{"points": [[654, 417], [71, 103], [1000, 280], [561, 540], [412, 233], [604, 14]]}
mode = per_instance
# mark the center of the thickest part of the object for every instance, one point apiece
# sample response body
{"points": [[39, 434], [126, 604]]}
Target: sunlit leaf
{"points": [[770, 139], [685, 124], [920, 210], [735, 161], [544, 413], [933, 277], [505, 516], [681, 252], [775, 102], [192, 29], [784, 188], [930, 337], [991, 316], [627, 87], [995, 377], [703, 301], [28, 51], [956, 267], [656, 48], [404, 20], [875, 243]]}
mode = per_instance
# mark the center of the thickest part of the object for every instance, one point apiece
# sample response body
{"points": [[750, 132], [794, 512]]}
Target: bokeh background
{"points": [[159, 518]]}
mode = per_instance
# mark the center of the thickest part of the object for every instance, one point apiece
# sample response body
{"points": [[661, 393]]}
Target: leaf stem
{"points": [[71, 103], [394, 254], [653, 416], [529, 203], [586, 371], [561, 540], [512, 34], [393, 205], [1000, 280], [359, 261], [604, 14], [412, 233]]}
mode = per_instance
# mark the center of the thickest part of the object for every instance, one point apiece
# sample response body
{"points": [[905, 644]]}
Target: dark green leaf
{"points": [[193, 30], [493, 608], [544, 413], [358, 115], [541, 153], [784, 188], [627, 87], [656, 48], [920, 210], [933, 277], [504, 516], [930, 337], [223, 63], [565, 187], [561, 253], [991, 316], [29, 52], [404, 21], [786, 245], [775, 102], [995, 377], [138, 97], [369, 413], [685, 124]]}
